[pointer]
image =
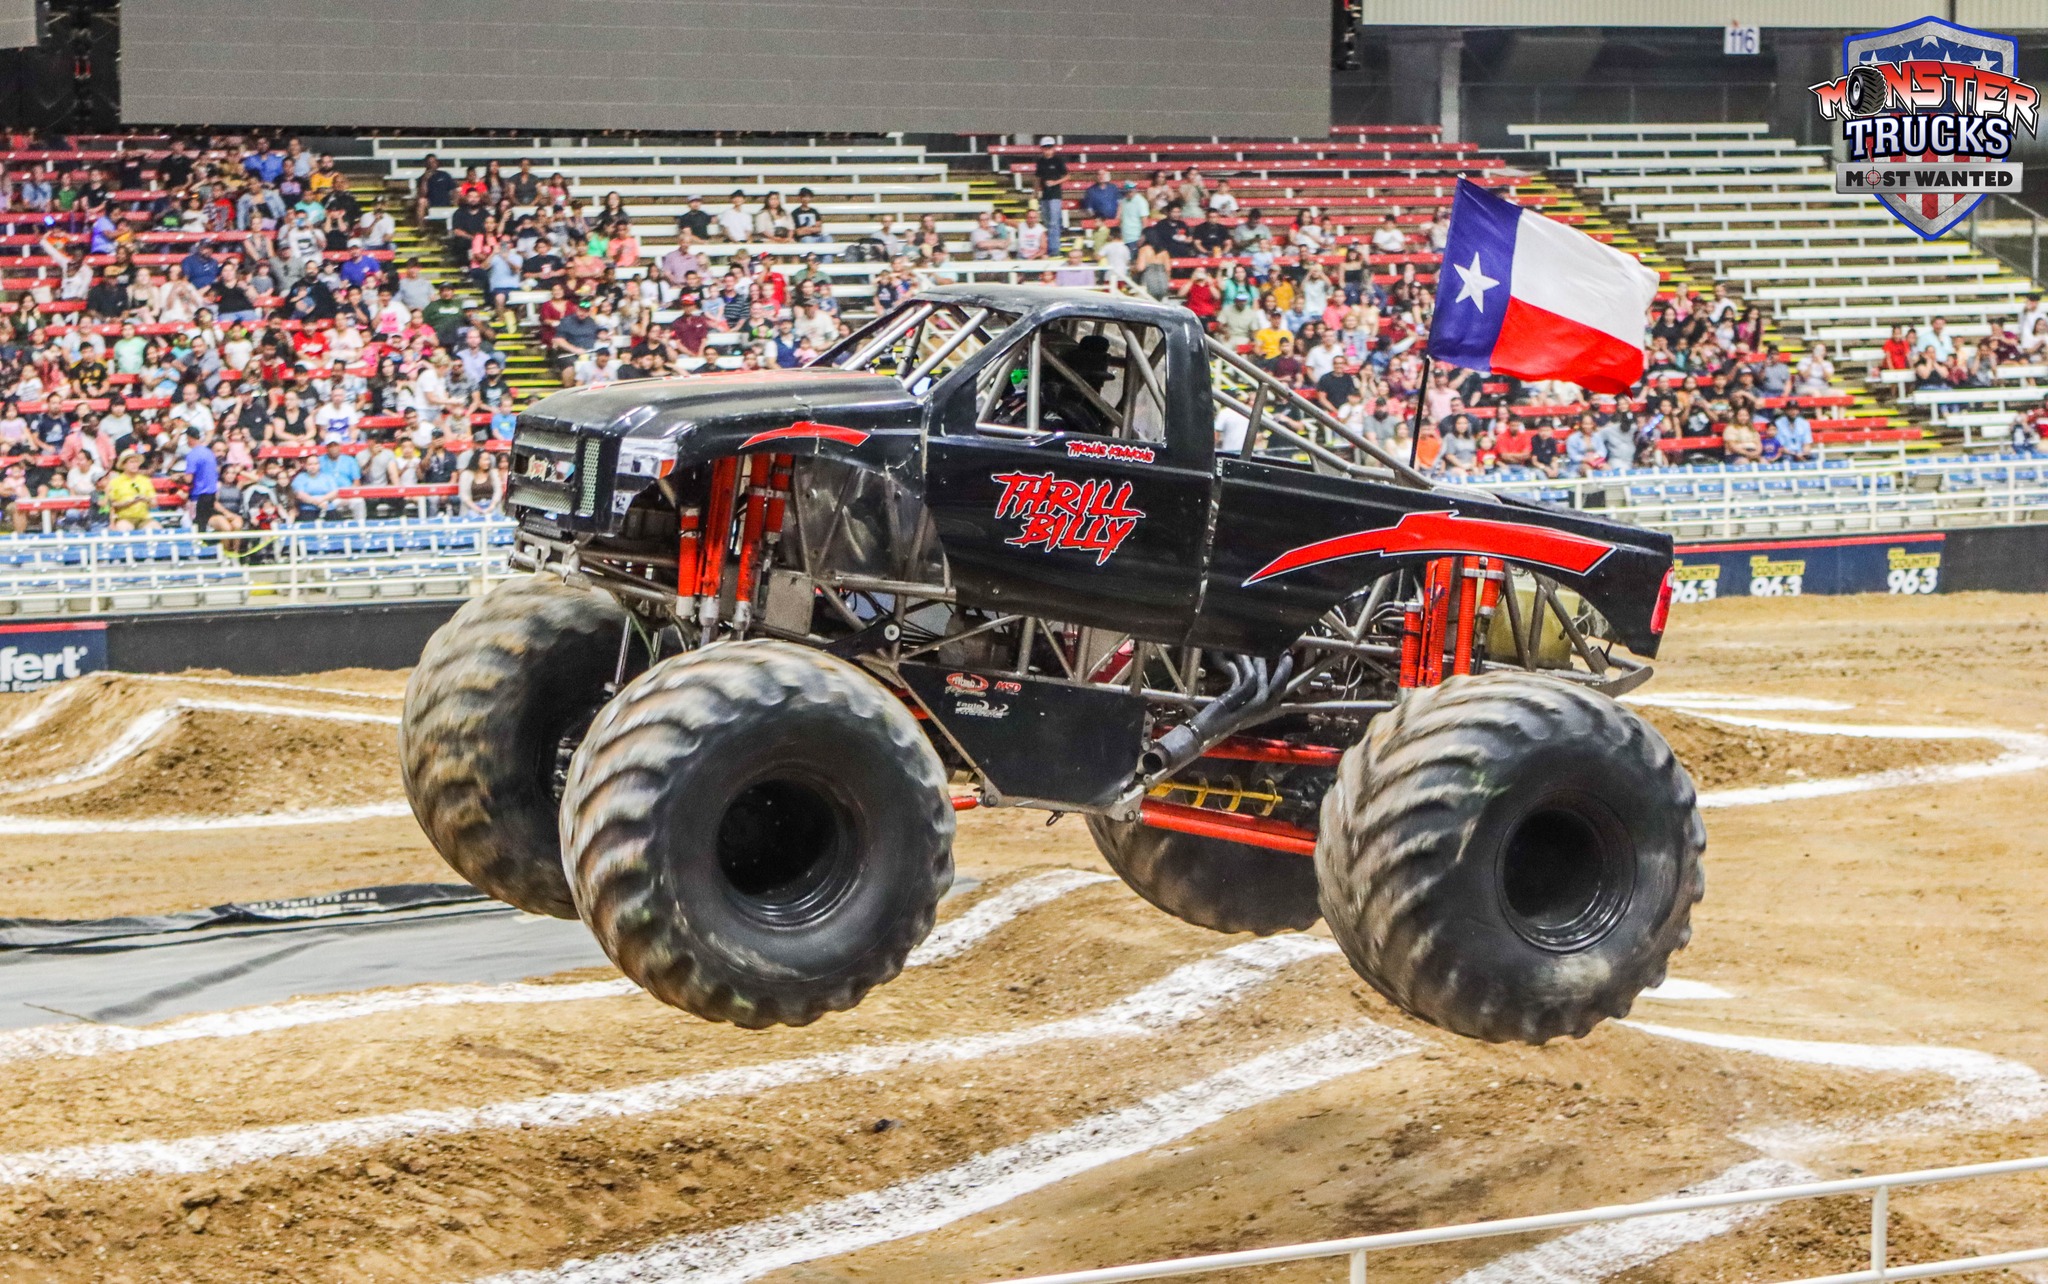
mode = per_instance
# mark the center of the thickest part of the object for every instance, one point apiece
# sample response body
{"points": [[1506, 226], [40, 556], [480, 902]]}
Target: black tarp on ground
{"points": [[32, 933], [138, 980]]}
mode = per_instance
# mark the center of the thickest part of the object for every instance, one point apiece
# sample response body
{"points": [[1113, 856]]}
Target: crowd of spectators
{"points": [[1303, 296], [224, 322], [229, 318], [1307, 301], [1933, 360]]}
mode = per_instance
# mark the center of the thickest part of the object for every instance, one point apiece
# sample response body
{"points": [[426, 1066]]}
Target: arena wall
{"points": [[312, 639], [251, 642], [2011, 559], [1206, 67]]}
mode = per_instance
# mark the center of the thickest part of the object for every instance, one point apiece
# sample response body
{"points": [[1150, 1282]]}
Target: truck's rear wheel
{"points": [[496, 692], [757, 833], [1511, 857], [1210, 882]]}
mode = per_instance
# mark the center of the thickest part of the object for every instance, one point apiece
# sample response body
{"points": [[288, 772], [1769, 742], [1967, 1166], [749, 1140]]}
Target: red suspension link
{"points": [[750, 540], [717, 534]]}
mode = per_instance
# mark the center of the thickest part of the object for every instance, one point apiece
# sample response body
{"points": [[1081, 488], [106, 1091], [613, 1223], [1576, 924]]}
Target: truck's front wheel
{"points": [[496, 692], [1510, 857], [757, 833]]}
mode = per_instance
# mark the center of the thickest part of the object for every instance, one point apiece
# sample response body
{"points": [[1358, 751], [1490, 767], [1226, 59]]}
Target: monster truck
{"points": [[1036, 547]]}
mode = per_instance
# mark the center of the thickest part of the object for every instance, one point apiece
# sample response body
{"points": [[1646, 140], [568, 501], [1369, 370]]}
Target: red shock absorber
{"points": [[1436, 619], [750, 541], [1494, 577], [1411, 646], [689, 552], [1470, 574], [778, 495], [717, 534]]}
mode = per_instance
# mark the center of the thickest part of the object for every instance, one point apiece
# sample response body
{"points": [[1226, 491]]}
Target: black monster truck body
{"points": [[1110, 567]]}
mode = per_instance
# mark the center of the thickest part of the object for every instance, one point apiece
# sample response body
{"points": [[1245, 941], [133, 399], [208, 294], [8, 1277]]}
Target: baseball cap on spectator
{"points": [[1048, 141]]}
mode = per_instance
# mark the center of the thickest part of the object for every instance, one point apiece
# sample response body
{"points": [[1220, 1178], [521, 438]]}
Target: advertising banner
{"points": [[32, 656], [1900, 564]]}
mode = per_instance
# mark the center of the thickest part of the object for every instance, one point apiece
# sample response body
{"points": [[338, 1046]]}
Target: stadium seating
{"points": [[1780, 233], [1830, 268], [859, 188]]}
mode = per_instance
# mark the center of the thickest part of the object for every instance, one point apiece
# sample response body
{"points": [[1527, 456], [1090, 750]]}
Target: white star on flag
{"points": [[1475, 283]]}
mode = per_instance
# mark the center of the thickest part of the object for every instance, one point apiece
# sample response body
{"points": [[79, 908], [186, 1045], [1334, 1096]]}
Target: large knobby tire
{"points": [[496, 691], [757, 833], [1210, 882], [1511, 857]]}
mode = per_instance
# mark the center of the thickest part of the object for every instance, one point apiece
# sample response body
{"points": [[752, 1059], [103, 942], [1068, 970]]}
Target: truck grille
{"points": [[589, 471], [559, 471]]}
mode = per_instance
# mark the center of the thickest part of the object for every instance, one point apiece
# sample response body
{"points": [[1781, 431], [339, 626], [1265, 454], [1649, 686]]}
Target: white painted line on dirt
{"points": [[32, 826], [931, 1202], [1675, 990], [46, 706], [953, 937], [257, 682], [1884, 730], [1696, 701], [958, 934], [2008, 764], [1183, 995], [2025, 751], [1600, 1251], [293, 711], [98, 1040], [1995, 1091]]}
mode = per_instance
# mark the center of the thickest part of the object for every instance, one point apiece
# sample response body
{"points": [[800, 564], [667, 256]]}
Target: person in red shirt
{"points": [[1513, 443], [311, 345], [691, 329], [1898, 350], [1203, 299], [778, 285]]}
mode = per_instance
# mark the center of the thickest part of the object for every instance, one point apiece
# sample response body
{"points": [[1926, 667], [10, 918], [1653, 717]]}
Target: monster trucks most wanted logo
{"points": [[1090, 516], [1929, 113]]}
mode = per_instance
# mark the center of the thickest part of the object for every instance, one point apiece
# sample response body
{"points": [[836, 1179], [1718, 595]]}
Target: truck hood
{"points": [[581, 456], [706, 416]]}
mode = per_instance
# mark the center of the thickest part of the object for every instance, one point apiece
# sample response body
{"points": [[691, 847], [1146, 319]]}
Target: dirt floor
{"points": [[1903, 916]]}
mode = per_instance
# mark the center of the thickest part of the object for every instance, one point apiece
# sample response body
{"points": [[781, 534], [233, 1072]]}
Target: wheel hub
{"points": [[787, 851], [1565, 877]]}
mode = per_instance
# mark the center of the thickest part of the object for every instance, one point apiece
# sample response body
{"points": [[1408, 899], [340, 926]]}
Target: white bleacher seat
{"points": [[1707, 129]]}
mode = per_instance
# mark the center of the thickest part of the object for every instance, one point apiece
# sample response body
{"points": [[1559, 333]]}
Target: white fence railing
{"points": [[77, 574], [1706, 503], [1355, 1252]]}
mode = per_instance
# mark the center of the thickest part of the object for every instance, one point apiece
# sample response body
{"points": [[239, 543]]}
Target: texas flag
{"points": [[1525, 296]]}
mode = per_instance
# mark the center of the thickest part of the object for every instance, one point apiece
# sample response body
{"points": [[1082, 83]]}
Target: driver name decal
{"points": [[1058, 513]]}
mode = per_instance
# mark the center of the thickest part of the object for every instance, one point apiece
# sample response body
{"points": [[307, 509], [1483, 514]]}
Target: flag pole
{"points": [[1421, 400]]}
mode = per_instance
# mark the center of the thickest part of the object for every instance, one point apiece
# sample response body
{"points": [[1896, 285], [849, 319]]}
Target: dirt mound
{"points": [[64, 727], [212, 762], [1720, 756]]}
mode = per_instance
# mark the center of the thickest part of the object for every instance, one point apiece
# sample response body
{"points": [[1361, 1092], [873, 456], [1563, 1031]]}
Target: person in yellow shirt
{"points": [[131, 495], [1266, 340]]}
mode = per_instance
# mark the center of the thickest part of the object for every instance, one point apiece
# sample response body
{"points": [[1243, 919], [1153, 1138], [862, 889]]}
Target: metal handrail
{"points": [[1355, 1250], [1984, 240], [109, 570]]}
